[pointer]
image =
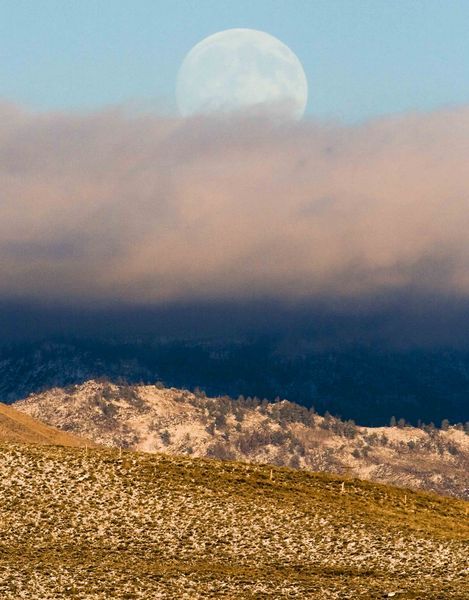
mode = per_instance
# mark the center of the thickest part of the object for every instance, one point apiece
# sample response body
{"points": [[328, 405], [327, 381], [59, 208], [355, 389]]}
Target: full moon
{"points": [[242, 70]]}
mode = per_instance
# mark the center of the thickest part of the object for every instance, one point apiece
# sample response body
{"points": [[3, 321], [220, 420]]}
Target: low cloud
{"points": [[112, 206]]}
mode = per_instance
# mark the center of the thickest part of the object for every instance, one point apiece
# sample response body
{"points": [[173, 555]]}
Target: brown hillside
{"points": [[110, 524], [21, 428]]}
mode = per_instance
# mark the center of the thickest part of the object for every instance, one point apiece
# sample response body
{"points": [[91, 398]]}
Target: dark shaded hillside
{"points": [[367, 384]]}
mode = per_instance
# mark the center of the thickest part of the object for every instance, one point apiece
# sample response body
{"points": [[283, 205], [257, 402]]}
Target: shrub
{"points": [[165, 437]]}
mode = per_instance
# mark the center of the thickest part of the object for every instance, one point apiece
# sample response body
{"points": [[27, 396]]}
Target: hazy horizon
{"points": [[143, 209], [347, 229]]}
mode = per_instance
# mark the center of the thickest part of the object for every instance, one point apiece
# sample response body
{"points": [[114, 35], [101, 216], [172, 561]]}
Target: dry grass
{"points": [[18, 427], [99, 524]]}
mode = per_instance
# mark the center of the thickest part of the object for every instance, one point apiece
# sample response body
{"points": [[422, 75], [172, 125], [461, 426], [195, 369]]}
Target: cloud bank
{"points": [[146, 209]]}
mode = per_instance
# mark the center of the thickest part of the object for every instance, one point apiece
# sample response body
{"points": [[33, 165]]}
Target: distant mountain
{"points": [[31, 367], [18, 427], [157, 419], [367, 384]]}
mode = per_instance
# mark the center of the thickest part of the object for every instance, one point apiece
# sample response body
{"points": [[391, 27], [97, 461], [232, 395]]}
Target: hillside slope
{"points": [[18, 427], [368, 383], [101, 524], [156, 419]]}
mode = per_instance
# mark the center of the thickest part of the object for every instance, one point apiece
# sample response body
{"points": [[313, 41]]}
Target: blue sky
{"points": [[363, 58]]}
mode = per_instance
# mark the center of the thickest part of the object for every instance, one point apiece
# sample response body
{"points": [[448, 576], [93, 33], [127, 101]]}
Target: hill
{"points": [[16, 426], [367, 384], [100, 524], [158, 419]]}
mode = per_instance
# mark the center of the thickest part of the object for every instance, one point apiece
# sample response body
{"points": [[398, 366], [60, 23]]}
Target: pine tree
{"points": [[445, 425]]}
